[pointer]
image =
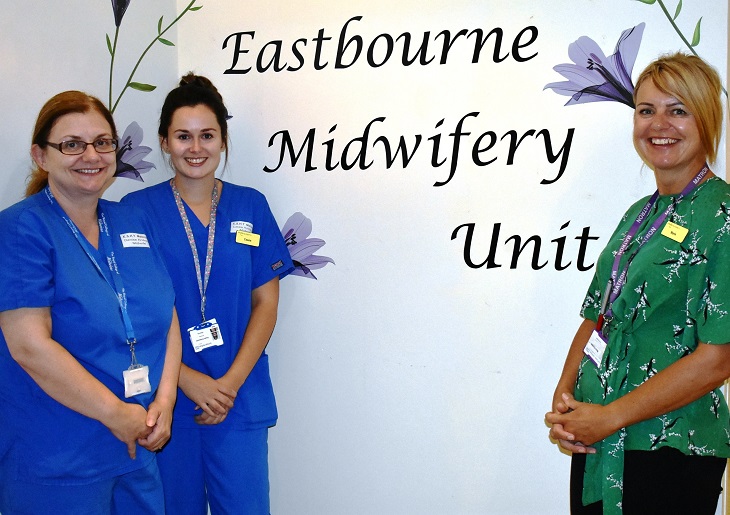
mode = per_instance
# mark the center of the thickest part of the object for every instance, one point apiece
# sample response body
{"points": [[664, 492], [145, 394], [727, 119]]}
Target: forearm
{"points": [[260, 327], [167, 389], [678, 385], [187, 376], [257, 336], [27, 332], [566, 383]]}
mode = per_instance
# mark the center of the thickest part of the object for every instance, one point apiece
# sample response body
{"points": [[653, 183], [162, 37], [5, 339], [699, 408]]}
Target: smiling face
{"points": [[82, 176], [666, 135], [194, 142]]}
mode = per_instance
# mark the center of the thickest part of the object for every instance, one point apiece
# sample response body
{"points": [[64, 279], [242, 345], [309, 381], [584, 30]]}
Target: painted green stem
{"points": [[679, 33], [111, 67], [676, 28], [139, 61]]}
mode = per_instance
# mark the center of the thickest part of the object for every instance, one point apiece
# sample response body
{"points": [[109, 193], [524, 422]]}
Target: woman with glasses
{"points": [[225, 254], [90, 344]]}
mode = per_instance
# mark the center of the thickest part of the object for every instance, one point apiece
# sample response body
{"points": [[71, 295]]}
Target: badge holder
{"points": [[207, 334], [136, 377]]}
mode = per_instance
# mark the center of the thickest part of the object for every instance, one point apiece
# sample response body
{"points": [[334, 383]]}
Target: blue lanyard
{"points": [[106, 243]]}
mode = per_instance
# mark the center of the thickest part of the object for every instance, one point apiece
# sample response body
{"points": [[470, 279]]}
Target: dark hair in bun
{"points": [[194, 90]]}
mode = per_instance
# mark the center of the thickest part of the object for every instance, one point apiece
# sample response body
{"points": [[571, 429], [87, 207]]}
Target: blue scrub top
{"points": [[237, 270], [45, 266]]}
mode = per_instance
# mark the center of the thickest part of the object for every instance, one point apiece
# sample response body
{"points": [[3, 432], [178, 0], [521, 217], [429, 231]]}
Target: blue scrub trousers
{"points": [[217, 465], [138, 492]]}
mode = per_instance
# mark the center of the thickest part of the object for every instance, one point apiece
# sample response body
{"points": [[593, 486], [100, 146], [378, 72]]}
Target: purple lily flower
{"points": [[130, 154], [595, 77], [301, 249], [120, 7]]}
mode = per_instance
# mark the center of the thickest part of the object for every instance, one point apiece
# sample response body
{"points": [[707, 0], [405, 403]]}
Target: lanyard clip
{"points": [[605, 325], [132, 342]]}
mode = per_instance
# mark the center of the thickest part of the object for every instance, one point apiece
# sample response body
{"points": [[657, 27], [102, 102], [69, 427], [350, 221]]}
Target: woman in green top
{"points": [[638, 402]]}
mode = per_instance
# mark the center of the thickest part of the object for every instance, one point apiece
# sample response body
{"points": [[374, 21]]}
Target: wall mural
{"points": [[431, 145], [131, 152], [594, 78]]}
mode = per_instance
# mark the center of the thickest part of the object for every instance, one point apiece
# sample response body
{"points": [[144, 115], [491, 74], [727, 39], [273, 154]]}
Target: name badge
{"points": [[595, 347], [675, 232], [133, 239], [207, 334], [136, 381], [248, 238], [239, 225]]}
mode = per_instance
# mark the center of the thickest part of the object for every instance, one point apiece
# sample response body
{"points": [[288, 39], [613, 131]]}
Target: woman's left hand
{"points": [[586, 423], [159, 418], [207, 420]]}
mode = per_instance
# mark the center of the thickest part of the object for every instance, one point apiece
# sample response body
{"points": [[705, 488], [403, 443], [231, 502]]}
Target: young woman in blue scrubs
{"points": [[90, 345], [225, 254]]}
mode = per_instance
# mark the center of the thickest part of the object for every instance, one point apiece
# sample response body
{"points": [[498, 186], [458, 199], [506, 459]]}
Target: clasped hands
{"points": [[578, 425], [214, 396], [150, 428]]}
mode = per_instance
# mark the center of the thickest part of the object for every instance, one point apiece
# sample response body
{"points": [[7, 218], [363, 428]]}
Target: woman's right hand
{"points": [[557, 431], [128, 423], [212, 396]]}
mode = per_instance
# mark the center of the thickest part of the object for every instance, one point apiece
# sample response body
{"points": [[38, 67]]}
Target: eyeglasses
{"points": [[74, 147]]}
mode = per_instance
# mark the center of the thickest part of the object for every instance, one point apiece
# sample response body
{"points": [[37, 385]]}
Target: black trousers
{"points": [[664, 481]]}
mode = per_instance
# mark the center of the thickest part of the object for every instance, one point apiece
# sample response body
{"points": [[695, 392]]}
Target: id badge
{"points": [[207, 334], [136, 381], [595, 348], [675, 232]]}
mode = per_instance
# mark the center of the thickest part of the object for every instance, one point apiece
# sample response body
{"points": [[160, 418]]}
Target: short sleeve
{"points": [[592, 302], [271, 258], [709, 281], [27, 257], [593, 299]]}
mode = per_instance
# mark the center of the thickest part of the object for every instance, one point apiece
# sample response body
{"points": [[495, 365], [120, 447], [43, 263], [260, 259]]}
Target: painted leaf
{"points": [[679, 9], [696, 35], [165, 42], [159, 26], [142, 87], [109, 45], [648, 1], [196, 8]]}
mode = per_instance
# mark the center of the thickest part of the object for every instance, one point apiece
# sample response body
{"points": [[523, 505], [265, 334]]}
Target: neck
{"points": [[195, 191], [673, 182], [81, 209], [83, 212]]}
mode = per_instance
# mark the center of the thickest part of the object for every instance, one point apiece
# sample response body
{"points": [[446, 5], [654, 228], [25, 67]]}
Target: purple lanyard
{"points": [[618, 280]]}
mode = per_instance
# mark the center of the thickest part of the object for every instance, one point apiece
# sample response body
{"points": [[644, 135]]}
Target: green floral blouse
{"points": [[676, 295]]}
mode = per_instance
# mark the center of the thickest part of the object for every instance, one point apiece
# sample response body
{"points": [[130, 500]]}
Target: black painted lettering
{"points": [[237, 51], [287, 145]]}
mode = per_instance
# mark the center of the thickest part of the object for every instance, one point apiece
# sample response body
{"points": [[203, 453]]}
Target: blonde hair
{"points": [[697, 85]]}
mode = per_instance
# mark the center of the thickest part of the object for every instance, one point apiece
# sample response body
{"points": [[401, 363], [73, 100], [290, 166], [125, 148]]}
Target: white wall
{"points": [[49, 47], [407, 382]]}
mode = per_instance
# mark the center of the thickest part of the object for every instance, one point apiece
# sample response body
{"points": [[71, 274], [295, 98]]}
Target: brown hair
{"points": [[57, 106], [194, 90], [697, 85]]}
